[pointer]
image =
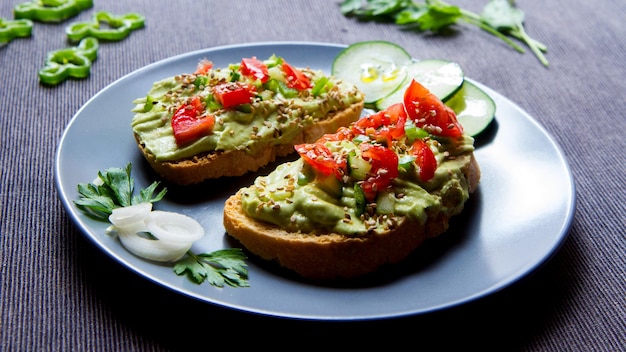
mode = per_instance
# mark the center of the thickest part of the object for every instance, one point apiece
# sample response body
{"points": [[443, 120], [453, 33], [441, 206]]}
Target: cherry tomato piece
{"points": [[384, 168], [187, 124], [295, 78], [424, 159], [252, 67], [343, 133], [233, 94], [385, 125], [322, 159], [204, 66], [430, 113]]}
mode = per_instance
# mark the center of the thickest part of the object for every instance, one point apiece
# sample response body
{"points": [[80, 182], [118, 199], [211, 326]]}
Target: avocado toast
{"points": [[362, 197], [228, 121]]}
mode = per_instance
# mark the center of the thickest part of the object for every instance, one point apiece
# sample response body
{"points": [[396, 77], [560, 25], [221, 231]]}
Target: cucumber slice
{"points": [[358, 167], [443, 78], [330, 184], [473, 107], [377, 68]]}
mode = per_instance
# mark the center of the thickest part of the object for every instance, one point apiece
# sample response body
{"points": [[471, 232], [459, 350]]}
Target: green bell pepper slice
{"points": [[74, 62], [106, 26], [50, 10], [11, 29]]}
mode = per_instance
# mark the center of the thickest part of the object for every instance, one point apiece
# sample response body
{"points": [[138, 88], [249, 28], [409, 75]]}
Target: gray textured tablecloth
{"points": [[59, 293]]}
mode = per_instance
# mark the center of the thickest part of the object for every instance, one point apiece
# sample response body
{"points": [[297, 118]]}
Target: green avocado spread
{"points": [[297, 199], [274, 116]]}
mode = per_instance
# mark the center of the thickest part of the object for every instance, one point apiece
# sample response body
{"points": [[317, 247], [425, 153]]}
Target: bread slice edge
{"points": [[334, 256], [212, 165]]}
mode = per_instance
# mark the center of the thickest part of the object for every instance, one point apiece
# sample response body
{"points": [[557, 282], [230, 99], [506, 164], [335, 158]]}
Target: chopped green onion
{"points": [[413, 132], [234, 76], [302, 179], [404, 163], [247, 108], [360, 138], [200, 81], [320, 86], [273, 61], [281, 88], [359, 198], [147, 106], [212, 103]]}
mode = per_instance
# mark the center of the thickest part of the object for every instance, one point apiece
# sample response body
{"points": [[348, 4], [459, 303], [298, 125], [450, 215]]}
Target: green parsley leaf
{"points": [[499, 18], [93, 203], [350, 6], [219, 268], [502, 15], [439, 16], [113, 190], [147, 194]]}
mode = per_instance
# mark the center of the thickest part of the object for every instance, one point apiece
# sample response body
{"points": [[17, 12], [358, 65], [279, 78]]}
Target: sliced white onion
{"points": [[132, 215], [174, 227], [157, 250], [175, 233]]}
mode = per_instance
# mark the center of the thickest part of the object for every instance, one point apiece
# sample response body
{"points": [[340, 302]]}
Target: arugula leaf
{"points": [[225, 266], [499, 18], [114, 188]]}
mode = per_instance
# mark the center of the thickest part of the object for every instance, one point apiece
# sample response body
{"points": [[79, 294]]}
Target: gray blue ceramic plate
{"points": [[515, 222]]}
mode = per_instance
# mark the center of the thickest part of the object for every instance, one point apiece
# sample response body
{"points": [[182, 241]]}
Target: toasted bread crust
{"points": [[334, 256], [238, 162]]}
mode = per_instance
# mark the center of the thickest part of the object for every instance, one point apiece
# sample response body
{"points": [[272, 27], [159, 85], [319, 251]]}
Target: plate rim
{"points": [[86, 231]]}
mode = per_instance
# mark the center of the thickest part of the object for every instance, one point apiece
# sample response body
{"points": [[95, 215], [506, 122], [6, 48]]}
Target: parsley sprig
{"points": [[499, 17], [114, 188], [225, 266]]}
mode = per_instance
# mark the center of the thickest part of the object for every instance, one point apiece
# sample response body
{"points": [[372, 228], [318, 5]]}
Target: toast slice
{"points": [[363, 197], [254, 111], [331, 256], [221, 163]]}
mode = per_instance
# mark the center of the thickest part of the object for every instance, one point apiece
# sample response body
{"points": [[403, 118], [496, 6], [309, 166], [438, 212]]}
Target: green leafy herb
{"points": [[499, 17], [114, 188], [221, 267], [502, 15]]}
